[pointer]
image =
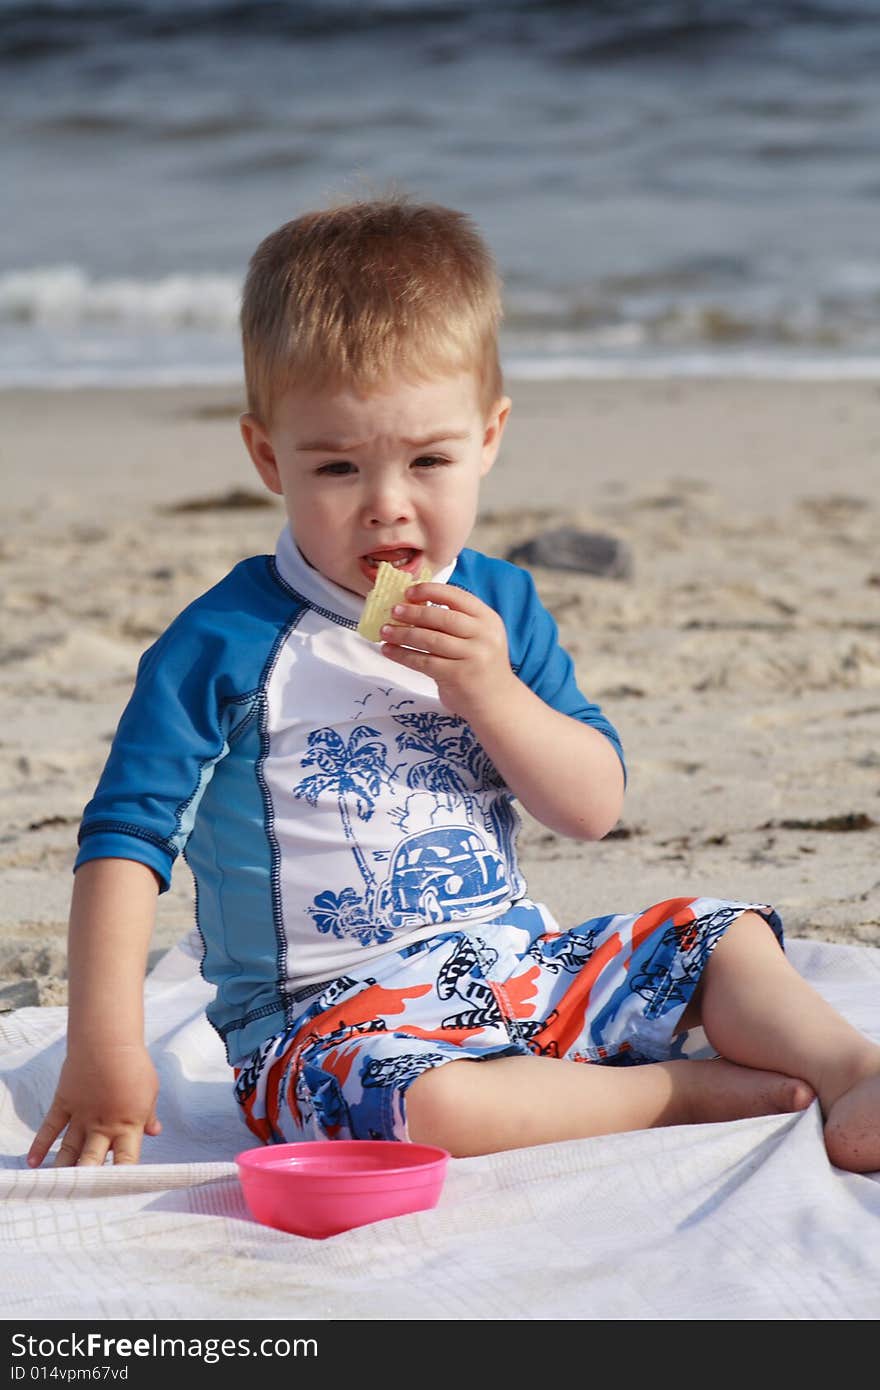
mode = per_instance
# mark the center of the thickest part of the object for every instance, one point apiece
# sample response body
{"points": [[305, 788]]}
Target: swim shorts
{"points": [[611, 991]]}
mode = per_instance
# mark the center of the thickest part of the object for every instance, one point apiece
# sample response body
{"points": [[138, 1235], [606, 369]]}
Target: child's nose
{"points": [[386, 505]]}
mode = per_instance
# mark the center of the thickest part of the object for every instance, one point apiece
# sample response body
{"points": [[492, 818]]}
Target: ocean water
{"points": [[669, 187]]}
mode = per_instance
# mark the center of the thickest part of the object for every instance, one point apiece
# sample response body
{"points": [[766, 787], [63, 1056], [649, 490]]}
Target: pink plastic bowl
{"points": [[318, 1189]]}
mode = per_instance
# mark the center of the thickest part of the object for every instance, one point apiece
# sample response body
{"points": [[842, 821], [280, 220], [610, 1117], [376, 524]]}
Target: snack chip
{"points": [[389, 588]]}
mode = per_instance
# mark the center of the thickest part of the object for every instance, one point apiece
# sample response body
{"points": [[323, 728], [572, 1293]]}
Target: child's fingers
{"points": [[443, 619], [447, 595], [95, 1148], [70, 1148], [127, 1147], [423, 640], [90, 1149], [409, 657], [56, 1119]]}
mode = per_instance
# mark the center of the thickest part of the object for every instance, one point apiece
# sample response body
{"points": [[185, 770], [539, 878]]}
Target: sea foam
{"points": [[66, 295]]}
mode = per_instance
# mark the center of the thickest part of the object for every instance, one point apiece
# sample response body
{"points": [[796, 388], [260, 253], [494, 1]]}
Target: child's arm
{"points": [[566, 774], [106, 1094]]}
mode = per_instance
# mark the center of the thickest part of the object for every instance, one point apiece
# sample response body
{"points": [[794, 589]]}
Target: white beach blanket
{"points": [[727, 1221]]}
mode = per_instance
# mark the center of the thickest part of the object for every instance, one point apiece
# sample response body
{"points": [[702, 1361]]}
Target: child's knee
{"points": [[440, 1105]]}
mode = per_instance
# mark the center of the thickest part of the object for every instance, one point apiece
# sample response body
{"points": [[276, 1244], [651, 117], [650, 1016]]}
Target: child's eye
{"points": [[337, 469], [429, 461]]}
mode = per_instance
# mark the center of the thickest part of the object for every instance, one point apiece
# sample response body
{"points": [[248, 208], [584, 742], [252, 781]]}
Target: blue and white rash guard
{"points": [[329, 807]]}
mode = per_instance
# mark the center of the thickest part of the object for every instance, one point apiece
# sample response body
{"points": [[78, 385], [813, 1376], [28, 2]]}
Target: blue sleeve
{"points": [[163, 754], [195, 686], [536, 654]]}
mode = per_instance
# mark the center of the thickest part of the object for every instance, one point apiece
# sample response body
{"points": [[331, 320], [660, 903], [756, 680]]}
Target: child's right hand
{"points": [[104, 1103]]}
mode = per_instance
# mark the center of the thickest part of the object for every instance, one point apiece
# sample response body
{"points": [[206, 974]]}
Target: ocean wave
{"points": [[673, 309], [749, 365], [676, 311], [65, 296], [112, 374]]}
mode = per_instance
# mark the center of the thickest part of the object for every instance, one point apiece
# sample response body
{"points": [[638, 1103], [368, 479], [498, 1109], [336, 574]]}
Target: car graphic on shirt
{"points": [[440, 874]]}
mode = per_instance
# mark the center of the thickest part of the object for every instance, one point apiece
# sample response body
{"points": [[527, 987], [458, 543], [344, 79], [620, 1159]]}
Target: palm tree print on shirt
{"points": [[456, 766], [457, 775], [354, 771], [459, 772]]}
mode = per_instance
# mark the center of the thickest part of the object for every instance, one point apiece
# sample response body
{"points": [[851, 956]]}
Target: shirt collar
{"points": [[321, 592]]}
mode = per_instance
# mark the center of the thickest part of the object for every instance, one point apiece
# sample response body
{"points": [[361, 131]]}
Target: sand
{"points": [[740, 660]]}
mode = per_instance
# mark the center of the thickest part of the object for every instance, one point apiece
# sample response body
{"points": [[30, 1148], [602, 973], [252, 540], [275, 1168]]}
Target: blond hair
{"points": [[356, 294]]}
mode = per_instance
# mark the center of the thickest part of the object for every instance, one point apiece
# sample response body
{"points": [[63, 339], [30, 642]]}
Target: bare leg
{"points": [[513, 1102], [757, 1010]]}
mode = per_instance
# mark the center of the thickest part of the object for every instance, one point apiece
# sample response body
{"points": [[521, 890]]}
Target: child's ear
{"points": [[495, 422], [259, 446]]}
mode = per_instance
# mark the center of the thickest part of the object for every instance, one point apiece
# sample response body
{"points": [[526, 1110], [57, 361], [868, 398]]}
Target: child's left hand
{"points": [[457, 640]]}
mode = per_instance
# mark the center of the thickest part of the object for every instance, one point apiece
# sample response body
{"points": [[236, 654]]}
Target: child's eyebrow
{"points": [[322, 446]]}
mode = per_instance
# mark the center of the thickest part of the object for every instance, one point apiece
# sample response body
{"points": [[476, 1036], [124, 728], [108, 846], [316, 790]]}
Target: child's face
{"points": [[393, 475]]}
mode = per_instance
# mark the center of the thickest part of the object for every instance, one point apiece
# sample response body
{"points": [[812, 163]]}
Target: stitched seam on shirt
{"points": [[301, 598], [119, 827], [262, 706], [240, 1023]]}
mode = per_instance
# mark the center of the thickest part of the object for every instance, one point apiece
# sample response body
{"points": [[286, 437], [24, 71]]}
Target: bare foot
{"points": [[724, 1090], [852, 1130]]}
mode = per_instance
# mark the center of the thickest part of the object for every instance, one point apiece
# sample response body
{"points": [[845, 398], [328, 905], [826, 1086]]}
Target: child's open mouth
{"points": [[402, 558]]}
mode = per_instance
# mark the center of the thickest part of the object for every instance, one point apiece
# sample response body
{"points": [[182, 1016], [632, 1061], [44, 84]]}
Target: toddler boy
{"points": [[347, 808]]}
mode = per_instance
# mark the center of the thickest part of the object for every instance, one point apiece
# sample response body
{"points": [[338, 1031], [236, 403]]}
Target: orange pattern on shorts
{"points": [[354, 1013], [515, 994], [450, 1035], [565, 1027], [679, 910], [338, 1061]]}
